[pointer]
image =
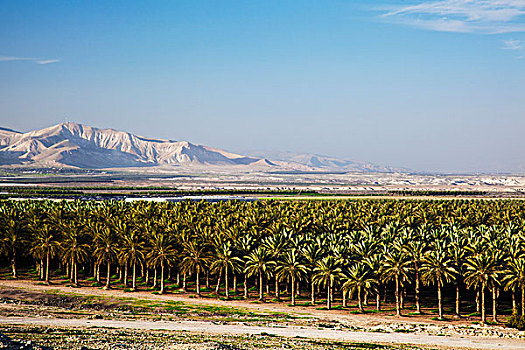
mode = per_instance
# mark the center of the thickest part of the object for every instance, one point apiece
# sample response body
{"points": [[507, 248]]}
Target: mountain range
{"points": [[82, 146]]}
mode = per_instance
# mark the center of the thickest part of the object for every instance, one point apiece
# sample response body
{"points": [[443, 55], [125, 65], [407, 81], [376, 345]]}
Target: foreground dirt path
{"points": [[288, 331], [364, 319], [452, 341], [252, 306]]}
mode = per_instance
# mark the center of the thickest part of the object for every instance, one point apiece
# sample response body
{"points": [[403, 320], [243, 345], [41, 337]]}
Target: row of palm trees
{"points": [[360, 249]]}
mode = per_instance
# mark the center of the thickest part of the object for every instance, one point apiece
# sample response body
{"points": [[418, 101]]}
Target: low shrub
{"points": [[516, 321]]}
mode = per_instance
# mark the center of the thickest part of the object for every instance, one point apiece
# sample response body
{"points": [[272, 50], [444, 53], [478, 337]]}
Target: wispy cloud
{"points": [[47, 61], [30, 59], [462, 16], [513, 44]]}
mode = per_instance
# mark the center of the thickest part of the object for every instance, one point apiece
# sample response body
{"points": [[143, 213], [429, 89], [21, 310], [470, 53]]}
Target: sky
{"points": [[429, 85]]}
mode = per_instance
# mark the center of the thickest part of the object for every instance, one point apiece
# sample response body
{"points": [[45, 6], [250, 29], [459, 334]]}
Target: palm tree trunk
{"points": [[198, 281], [47, 267], [245, 287], [13, 263], [345, 292], [402, 298], [478, 305], [312, 292], [98, 273], [418, 305], [523, 299], [126, 274], [75, 274], [41, 269], [260, 285], [378, 300], [494, 304], [458, 300], [277, 287], [398, 309], [359, 302], [514, 303], [155, 277], [293, 290], [184, 285], [483, 316], [440, 304], [134, 282], [235, 283], [108, 276], [217, 288], [162, 277], [207, 279], [365, 301], [328, 296], [226, 283]]}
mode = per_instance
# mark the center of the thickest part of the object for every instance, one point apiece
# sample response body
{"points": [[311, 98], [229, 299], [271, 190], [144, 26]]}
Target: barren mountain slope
{"points": [[88, 147], [82, 146]]}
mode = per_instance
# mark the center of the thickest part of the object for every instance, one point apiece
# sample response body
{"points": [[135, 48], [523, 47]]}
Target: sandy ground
{"points": [[422, 339], [283, 331], [254, 306]]}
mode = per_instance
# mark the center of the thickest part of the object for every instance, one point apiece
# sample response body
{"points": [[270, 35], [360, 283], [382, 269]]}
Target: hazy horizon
{"points": [[432, 86]]}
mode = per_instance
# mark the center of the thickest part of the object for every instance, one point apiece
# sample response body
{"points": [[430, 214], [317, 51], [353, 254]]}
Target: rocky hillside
{"points": [[82, 146]]}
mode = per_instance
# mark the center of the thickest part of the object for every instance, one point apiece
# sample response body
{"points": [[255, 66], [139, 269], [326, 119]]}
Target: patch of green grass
{"points": [[303, 304], [403, 331]]}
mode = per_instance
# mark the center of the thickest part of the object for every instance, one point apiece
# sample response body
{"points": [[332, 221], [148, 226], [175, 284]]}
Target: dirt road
{"points": [[287, 331]]}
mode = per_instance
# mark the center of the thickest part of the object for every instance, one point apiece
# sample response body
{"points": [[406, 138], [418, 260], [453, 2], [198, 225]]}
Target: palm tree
{"points": [[457, 249], [45, 242], [74, 249], [161, 253], [225, 261], [11, 235], [375, 263], [120, 227], [106, 248], [195, 260], [291, 266], [259, 262], [515, 278], [326, 273], [359, 278], [437, 268], [312, 253], [397, 268], [132, 251], [482, 269], [277, 243], [415, 248], [244, 246]]}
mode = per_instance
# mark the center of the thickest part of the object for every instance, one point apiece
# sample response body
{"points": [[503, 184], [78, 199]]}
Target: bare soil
{"points": [[26, 303]]}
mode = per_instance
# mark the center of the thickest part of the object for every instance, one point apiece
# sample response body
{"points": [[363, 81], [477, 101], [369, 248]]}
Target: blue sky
{"points": [[429, 85]]}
